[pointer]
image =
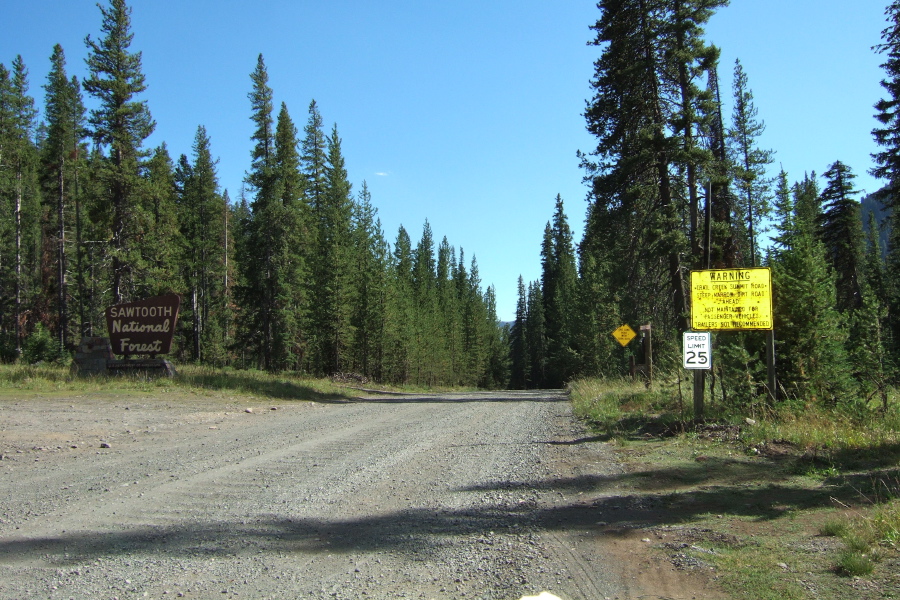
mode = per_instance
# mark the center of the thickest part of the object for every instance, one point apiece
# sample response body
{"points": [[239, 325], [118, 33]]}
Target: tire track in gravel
{"points": [[386, 497]]}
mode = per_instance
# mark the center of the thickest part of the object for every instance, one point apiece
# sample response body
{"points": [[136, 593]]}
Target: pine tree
{"points": [[649, 114], [399, 312], [61, 154], [20, 198], [9, 343], [370, 270], [120, 124], [450, 311], [887, 159], [427, 348], [748, 161], [496, 370], [517, 338], [874, 365], [289, 221], [474, 319], [812, 334], [255, 251], [333, 262], [162, 236], [535, 337], [840, 228], [201, 218], [559, 289]]}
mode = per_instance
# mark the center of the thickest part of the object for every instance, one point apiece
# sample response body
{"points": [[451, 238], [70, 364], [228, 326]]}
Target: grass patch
{"points": [[623, 408], [754, 573], [817, 486], [190, 379], [853, 563], [834, 527]]}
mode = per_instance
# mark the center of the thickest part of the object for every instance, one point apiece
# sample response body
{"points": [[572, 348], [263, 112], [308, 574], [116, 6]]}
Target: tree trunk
{"points": [[61, 258], [18, 281]]}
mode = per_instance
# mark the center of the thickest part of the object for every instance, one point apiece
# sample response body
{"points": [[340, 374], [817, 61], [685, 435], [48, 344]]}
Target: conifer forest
{"points": [[294, 272]]}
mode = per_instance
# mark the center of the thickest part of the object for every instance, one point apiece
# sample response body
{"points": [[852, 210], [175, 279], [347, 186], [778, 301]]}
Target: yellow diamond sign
{"points": [[624, 334]]}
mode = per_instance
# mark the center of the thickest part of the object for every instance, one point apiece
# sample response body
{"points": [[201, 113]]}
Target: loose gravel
{"points": [[413, 496]]}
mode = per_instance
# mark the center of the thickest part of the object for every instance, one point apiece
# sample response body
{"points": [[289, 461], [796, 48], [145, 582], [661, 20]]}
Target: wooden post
{"points": [[699, 385], [770, 366], [647, 338]]}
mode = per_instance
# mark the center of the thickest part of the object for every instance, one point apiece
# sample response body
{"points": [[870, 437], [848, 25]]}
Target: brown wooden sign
{"points": [[144, 327]]}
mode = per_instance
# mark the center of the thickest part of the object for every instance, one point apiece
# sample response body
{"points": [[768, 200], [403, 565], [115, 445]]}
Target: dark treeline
{"points": [[295, 274], [674, 185]]}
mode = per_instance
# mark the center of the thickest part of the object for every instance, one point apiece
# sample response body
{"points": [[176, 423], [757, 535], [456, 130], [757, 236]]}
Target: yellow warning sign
{"points": [[624, 334], [731, 299]]}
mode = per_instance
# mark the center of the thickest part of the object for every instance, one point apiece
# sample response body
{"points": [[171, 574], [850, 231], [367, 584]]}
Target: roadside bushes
{"points": [[40, 346]]}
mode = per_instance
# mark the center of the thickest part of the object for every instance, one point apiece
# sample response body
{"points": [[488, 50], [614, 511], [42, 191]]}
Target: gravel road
{"points": [[445, 496]]}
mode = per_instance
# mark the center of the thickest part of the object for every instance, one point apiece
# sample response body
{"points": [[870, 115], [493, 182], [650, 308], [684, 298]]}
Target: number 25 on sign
{"points": [[697, 350]]}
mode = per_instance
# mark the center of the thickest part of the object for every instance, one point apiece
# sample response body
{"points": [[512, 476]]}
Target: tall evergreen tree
{"points": [[840, 227], [61, 154], [887, 159], [161, 241], [202, 222], [120, 124], [255, 294], [333, 262], [427, 346], [19, 194], [399, 312], [813, 363], [559, 288], [496, 369], [749, 162], [535, 337], [648, 114], [290, 226], [370, 271], [517, 349]]}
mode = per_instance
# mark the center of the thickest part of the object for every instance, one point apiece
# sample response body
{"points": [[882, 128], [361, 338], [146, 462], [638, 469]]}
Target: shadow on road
{"points": [[657, 497]]}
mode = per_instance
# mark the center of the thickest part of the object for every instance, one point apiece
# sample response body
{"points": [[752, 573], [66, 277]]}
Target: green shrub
{"points": [[853, 563], [836, 527], [40, 346]]}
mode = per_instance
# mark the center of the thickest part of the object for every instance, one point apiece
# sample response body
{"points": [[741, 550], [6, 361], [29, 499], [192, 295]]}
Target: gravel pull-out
{"points": [[444, 496]]}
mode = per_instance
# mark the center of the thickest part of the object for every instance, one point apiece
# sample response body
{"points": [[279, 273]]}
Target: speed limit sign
{"points": [[697, 350]]}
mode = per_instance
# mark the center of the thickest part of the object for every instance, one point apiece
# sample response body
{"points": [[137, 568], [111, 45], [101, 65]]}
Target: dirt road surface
{"points": [[477, 495]]}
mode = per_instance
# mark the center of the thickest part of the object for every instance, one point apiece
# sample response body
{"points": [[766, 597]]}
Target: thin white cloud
{"points": [[381, 174]]}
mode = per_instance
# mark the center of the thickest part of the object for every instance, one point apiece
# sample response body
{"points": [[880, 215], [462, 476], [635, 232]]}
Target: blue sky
{"points": [[467, 114]]}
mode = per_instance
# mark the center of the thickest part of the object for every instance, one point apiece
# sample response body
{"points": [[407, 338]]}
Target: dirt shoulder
{"points": [[750, 520]]}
